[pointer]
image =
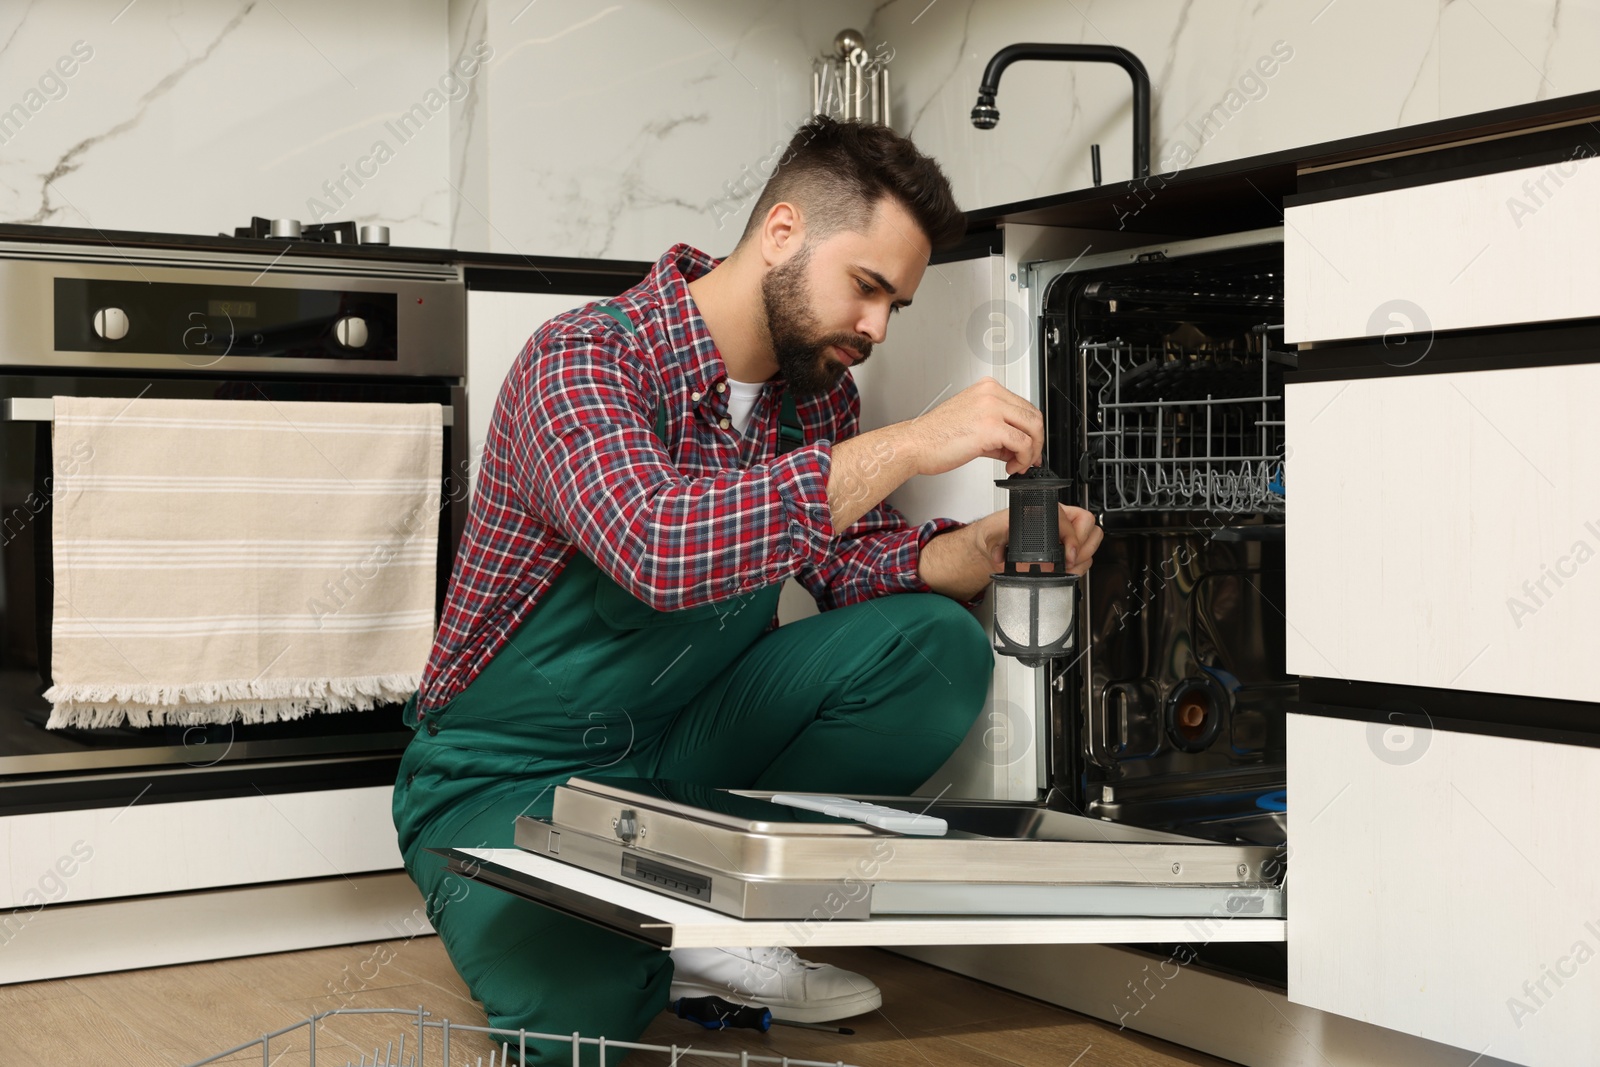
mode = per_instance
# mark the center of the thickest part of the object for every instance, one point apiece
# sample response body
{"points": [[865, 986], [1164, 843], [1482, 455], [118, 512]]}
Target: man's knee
{"points": [[965, 636], [946, 639], [938, 623]]}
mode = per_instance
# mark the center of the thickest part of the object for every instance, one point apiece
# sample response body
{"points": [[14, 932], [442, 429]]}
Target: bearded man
{"points": [[656, 467]]}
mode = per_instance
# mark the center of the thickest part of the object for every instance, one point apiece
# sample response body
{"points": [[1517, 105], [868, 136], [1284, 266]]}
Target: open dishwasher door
{"points": [[679, 865]]}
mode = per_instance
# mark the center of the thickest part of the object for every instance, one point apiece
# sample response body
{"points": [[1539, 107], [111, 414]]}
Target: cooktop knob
{"points": [[351, 331], [111, 324], [286, 228], [373, 234]]}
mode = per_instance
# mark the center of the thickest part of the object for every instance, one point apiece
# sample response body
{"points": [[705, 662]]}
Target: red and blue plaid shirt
{"points": [[572, 464]]}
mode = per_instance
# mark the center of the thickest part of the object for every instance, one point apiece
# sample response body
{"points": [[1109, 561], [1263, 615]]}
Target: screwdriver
{"points": [[714, 1013]]}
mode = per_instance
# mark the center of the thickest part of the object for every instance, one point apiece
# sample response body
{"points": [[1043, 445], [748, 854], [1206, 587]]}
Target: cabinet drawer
{"points": [[1442, 530], [1445, 885], [1496, 249]]}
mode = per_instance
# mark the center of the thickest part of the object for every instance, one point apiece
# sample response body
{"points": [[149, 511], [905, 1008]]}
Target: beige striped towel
{"points": [[240, 560]]}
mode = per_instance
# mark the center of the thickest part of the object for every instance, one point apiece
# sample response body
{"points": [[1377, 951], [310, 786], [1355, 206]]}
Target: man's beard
{"points": [[801, 352]]}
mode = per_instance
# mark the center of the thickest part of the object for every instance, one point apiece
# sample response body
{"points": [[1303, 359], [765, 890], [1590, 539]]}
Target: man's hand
{"points": [[958, 563], [985, 419]]}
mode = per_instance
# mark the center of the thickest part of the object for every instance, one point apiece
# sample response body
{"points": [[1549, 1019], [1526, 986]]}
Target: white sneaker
{"points": [[774, 978]]}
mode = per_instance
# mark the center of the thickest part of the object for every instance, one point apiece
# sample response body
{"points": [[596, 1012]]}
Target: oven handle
{"points": [[43, 409]]}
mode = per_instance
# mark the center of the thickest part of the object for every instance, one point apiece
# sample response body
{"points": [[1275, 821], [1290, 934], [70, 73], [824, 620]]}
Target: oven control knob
{"points": [[111, 324], [351, 331]]}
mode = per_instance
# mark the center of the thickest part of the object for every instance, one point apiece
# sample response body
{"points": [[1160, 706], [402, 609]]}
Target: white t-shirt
{"points": [[742, 397]]}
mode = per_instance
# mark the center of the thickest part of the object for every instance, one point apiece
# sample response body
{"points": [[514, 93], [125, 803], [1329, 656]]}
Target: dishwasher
{"points": [[1163, 389], [1160, 819]]}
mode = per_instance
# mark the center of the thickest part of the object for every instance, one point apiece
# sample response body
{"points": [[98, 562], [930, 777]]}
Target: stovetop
{"points": [[342, 240]]}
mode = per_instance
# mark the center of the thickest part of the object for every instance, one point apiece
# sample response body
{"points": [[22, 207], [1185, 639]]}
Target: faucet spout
{"points": [[985, 115]]}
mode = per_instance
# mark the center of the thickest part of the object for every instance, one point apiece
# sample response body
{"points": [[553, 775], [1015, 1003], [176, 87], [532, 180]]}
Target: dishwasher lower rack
{"points": [[736, 853], [395, 1054]]}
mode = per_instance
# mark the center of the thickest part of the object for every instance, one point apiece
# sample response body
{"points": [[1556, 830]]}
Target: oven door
{"points": [[46, 770]]}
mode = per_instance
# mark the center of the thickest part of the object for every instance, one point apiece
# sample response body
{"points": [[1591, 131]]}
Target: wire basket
{"points": [[1185, 431], [419, 1024]]}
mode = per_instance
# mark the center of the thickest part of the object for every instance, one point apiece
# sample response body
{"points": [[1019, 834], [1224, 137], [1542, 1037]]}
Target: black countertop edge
{"points": [[1276, 172], [504, 261]]}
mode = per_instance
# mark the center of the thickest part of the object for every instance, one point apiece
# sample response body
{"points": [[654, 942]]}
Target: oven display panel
{"points": [[212, 321]]}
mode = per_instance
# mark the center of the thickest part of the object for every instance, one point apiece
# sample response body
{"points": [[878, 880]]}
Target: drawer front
{"points": [[88, 854], [1496, 249], [1443, 530], [1445, 885]]}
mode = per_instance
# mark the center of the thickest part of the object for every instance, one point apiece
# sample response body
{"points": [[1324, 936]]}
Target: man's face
{"points": [[830, 301]]}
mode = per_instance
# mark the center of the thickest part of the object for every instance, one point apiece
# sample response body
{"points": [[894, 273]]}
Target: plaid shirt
{"points": [[572, 463]]}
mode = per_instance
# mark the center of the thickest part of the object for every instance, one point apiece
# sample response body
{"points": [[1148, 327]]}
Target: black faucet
{"points": [[985, 115]]}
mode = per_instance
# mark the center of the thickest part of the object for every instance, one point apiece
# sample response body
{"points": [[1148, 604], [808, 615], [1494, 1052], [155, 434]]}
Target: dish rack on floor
{"points": [[395, 1053]]}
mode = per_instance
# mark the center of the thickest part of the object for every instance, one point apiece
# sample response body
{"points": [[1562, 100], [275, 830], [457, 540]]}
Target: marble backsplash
{"points": [[615, 128], [582, 129], [1230, 78], [191, 117], [619, 128]]}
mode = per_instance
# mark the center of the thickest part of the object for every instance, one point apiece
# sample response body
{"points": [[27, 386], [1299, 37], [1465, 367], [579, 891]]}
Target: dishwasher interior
{"points": [[1163, 395]]}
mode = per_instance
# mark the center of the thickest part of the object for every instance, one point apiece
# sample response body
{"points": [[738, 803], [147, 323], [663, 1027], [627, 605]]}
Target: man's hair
{"points": [[836, 173]]}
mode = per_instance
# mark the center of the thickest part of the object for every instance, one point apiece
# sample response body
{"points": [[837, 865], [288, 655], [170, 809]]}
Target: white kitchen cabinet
{"points": [[1443, 506], [143, 885], [498, 327]]}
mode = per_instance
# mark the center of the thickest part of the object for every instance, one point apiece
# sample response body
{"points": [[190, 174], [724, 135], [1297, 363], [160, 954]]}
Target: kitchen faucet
{"points": [[986, 116]]}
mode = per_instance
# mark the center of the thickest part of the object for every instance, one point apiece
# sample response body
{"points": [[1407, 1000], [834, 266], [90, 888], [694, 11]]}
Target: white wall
{"points": [[190, 118], [593, 129], [616, 129], [1357, 66]]}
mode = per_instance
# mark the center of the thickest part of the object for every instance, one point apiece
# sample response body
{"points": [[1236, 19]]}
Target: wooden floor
{"points": [[172, 1016]]}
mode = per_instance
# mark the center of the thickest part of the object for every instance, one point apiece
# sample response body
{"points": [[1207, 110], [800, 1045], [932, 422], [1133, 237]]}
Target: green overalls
{"points": [[870, 698]]}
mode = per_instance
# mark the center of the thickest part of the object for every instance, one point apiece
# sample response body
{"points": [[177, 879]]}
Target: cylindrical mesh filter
{"points": [[1034, 597]]}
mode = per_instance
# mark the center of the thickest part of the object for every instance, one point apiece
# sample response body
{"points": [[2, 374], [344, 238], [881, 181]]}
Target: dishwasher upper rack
{"points": [[1169, 442]]}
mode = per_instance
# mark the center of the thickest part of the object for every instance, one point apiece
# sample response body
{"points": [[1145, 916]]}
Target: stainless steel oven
{"points": [[95, 317]]}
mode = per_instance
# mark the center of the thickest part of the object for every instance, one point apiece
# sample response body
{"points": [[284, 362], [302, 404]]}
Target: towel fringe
{"points": [[245, 701]]}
